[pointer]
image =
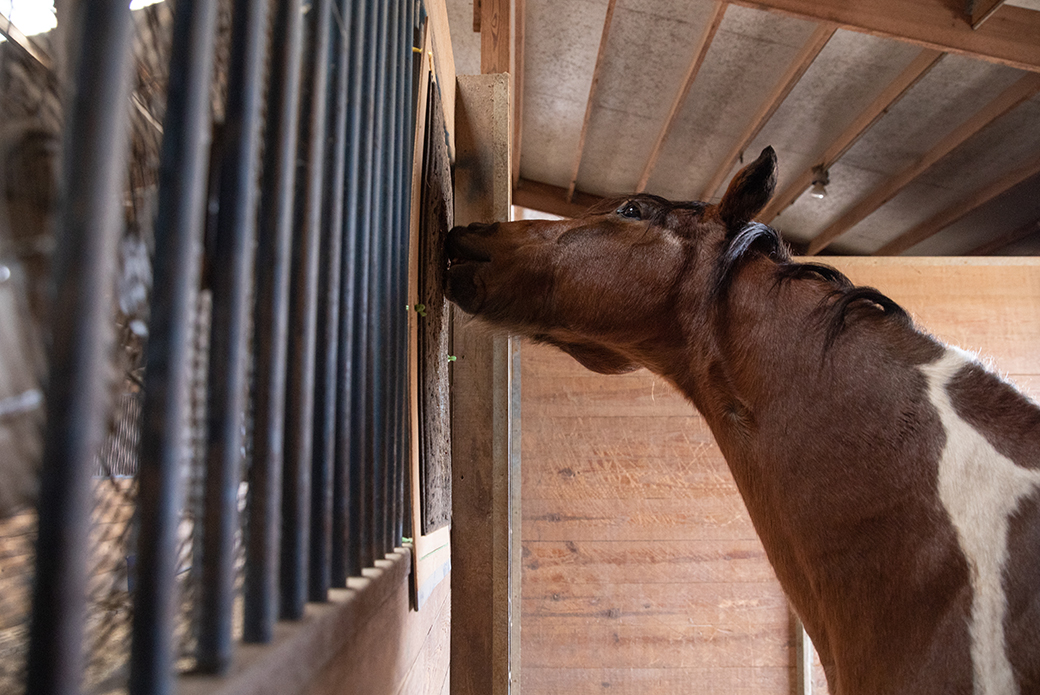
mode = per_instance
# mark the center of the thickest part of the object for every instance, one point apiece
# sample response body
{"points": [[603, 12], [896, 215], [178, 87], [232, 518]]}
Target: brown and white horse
{"points": [[895, 483]]}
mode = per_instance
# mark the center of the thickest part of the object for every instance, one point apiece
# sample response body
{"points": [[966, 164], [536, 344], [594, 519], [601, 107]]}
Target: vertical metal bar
{"points": [[328, 316], [390, 309], [377, 334], [400, 270], [303, 317], [408, 147], [274, 249], [361, 409], [229, 342], [164, 414], [89, 223], [346, 547]]}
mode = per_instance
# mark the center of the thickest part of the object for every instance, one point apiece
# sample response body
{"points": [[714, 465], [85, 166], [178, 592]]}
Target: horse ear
{"points": [[749, 191], [595, 357]]}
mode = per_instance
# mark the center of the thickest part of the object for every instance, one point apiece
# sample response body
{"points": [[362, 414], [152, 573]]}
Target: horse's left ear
{"points": [[749, 191]]}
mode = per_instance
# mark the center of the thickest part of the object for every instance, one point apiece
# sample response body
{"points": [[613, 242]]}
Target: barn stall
{"points": [[620, 557]]}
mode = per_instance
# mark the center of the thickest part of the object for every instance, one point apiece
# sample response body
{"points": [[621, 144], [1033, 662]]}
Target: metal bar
{"points": [[345, 548], [89, 224], [229, 342], [408, 140], [361, 414], [167, 381], [328, 316], [394, 301], [355, 286], [377, 300], [274, 250], [303, 317]]}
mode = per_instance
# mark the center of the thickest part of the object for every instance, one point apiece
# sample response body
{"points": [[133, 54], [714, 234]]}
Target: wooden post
{"points": [[484, 592]]}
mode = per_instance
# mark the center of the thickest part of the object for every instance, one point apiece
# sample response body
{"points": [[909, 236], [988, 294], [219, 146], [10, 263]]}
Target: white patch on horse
{"points": [[980, 489]]}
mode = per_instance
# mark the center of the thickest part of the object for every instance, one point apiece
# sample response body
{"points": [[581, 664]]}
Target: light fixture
{"points": [[820, 179]]}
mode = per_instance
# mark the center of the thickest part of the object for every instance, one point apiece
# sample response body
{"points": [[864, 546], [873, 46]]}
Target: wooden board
{"points": [[642, 573], [482, 643]]}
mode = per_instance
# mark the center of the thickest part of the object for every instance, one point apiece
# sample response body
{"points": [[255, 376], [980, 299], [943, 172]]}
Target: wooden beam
{"points": [[518, 87], [944, 219], [978, 11], [496, 36], [484, 605], [554, 200], [1024, 88], [795, 70], [1008, 37], [991, 247], [13, 34], [443, 64], [592, 96], [680, 98], [913, 72]]}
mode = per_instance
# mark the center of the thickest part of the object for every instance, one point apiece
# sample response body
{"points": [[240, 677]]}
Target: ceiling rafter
{"points": [[1008, 36], [706, 39], [496, 36], [1003, 241], [1024, 88], [552, 199], [978, 11], [518, 86], [13, 34], [592, 96], [805, 57], [944, 219], [895, 90]]}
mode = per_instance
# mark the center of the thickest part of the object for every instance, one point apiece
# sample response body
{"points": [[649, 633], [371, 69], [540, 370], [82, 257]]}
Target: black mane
{"points": [[836, 309]]}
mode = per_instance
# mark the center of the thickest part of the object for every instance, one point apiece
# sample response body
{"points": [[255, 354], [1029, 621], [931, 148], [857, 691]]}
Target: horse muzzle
{"points": [[467, 250]]}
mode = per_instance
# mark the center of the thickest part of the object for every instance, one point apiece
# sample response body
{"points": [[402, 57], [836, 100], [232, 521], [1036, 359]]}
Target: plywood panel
{"points": [[642, 572]]}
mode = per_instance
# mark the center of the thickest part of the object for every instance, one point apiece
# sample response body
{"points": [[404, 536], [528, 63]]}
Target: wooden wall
{"points": [[641, 571]]}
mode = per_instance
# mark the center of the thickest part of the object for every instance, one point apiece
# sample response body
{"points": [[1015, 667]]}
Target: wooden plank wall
{"points": [[641, 571]]}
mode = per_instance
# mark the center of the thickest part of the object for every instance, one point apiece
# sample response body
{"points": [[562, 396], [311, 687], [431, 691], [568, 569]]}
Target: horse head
{"points": [[606, 285]]}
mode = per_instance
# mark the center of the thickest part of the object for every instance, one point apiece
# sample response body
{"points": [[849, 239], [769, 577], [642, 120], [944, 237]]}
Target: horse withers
{"points": [[894, 482]]}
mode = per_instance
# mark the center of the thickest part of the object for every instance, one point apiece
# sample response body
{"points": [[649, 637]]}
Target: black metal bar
{"points": [[164, 415], [328, 315], [396, 299], [407, 131], [346, 547], [361, 408], [229, 342], [274, 249], [89, 223], [377, 313], [303, 316]]}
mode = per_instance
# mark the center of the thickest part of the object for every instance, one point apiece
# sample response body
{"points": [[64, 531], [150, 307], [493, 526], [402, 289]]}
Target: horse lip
{"points": [[460, 249]]}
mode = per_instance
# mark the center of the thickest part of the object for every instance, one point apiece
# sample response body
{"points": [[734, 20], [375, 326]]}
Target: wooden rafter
{"points": [[680, 98], [978, 11], [11, 32], [1023, 89], [913, 72], [592, 96], [991, 247], [944, 219], [552, 199], [794, 72], [1008, 37], [518, 86], [496, 30]]}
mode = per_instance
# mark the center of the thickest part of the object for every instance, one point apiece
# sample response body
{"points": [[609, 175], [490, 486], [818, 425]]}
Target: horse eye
{"points": [[631, 211]]}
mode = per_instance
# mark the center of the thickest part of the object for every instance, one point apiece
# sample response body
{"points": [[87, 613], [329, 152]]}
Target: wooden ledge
{"points": [[301, 649]]}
